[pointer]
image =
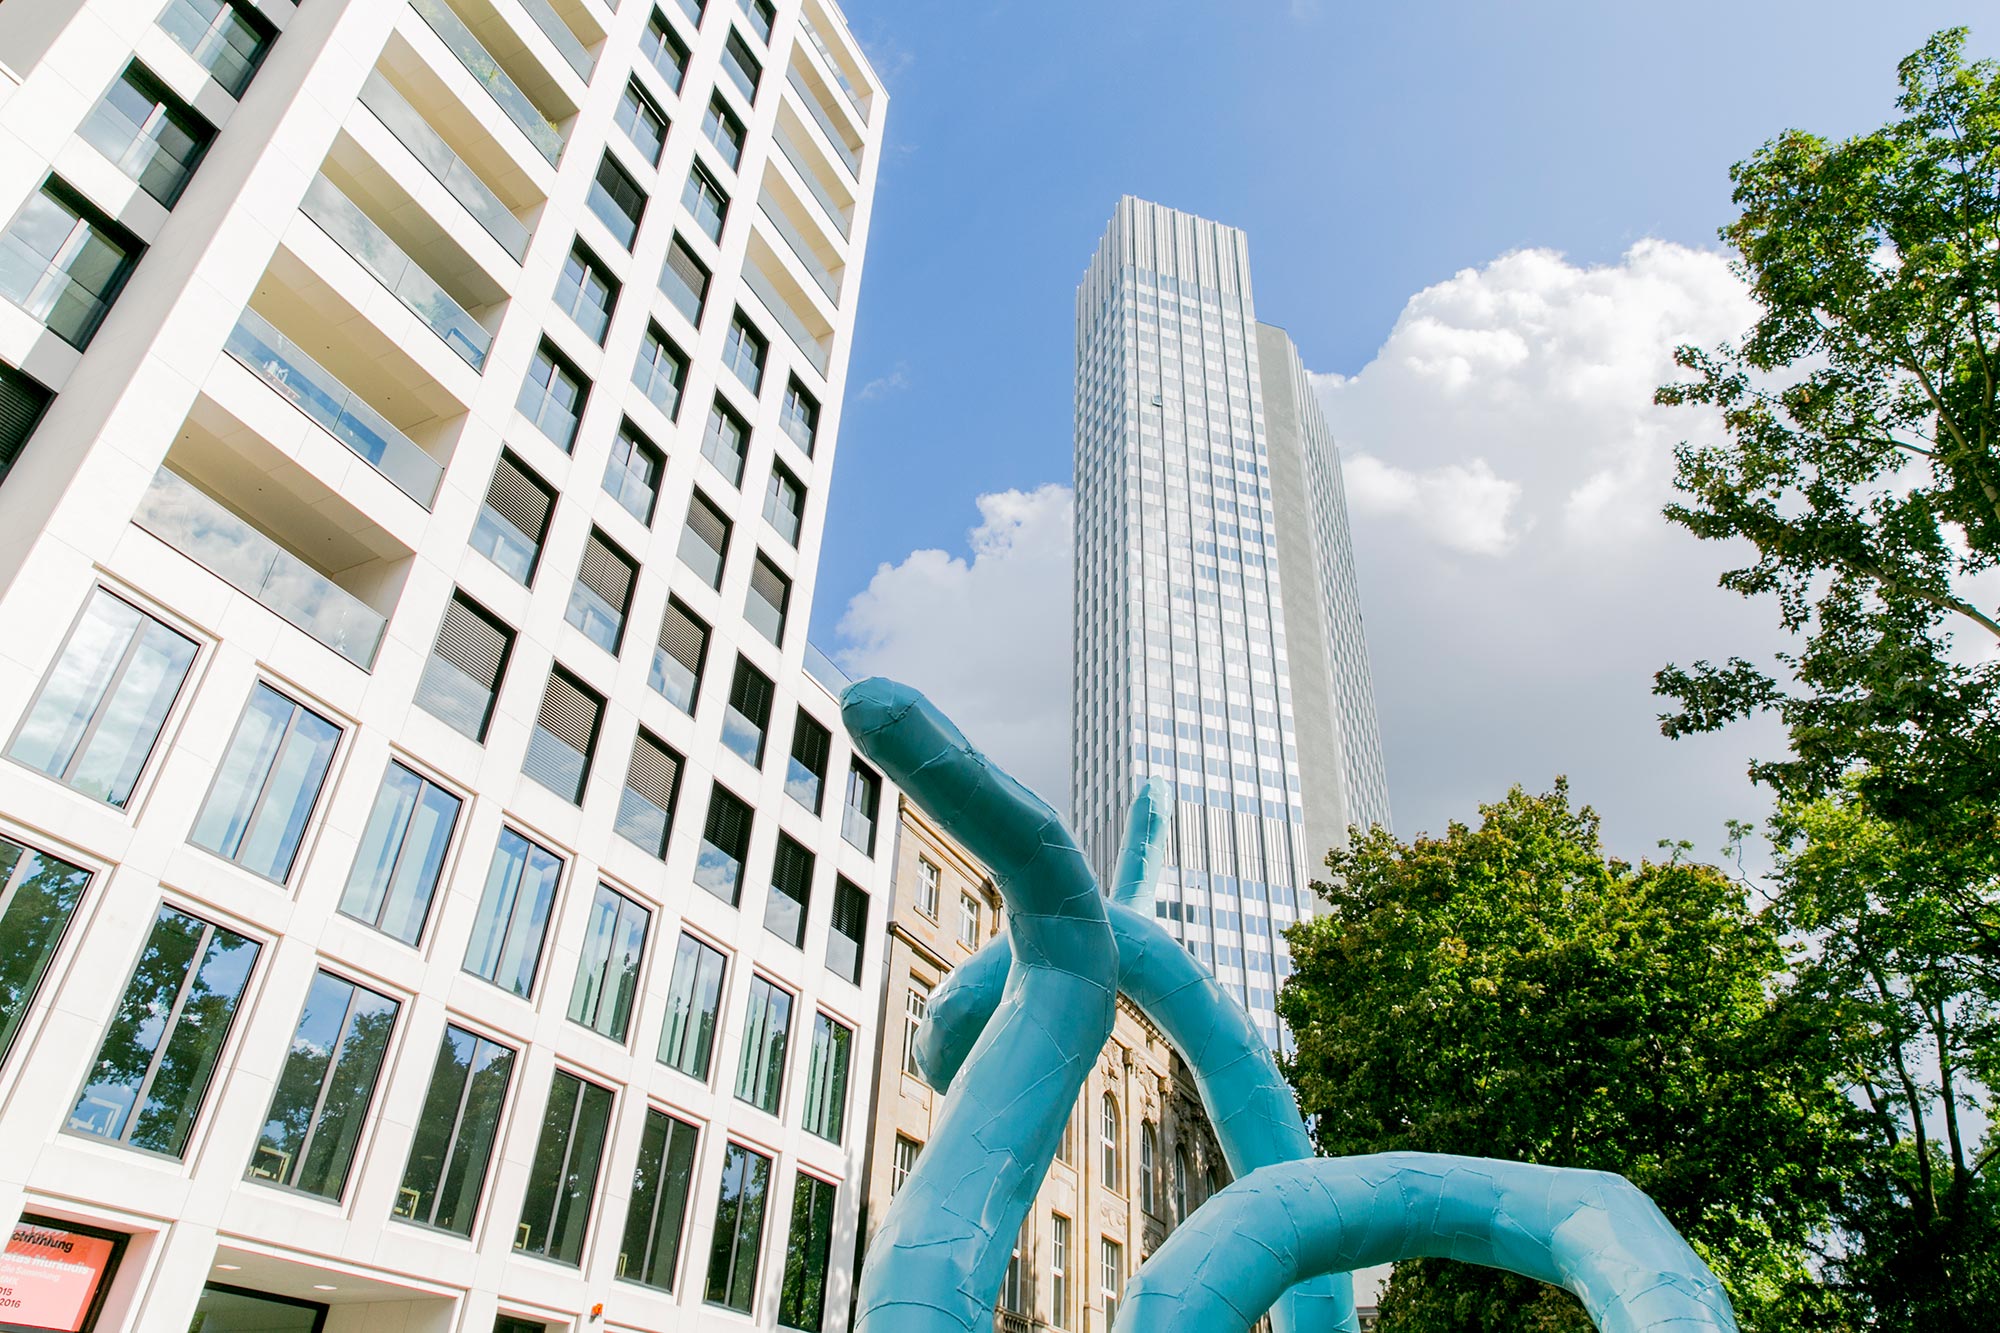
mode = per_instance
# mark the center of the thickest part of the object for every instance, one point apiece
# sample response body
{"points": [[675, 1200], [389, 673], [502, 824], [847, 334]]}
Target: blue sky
{"points": [[1371, 152]]}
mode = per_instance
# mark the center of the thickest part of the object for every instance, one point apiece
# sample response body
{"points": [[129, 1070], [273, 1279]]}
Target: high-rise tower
{"points": [[1218, 640], [433, 893]]}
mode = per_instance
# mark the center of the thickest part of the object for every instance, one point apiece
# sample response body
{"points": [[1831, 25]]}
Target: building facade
{"points": [[1217, 633], [434, 895], [1139, 1153]]}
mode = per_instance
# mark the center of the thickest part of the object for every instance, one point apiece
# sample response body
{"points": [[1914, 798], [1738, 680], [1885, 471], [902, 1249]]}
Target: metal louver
{"points": [[473, 642], [750, 693], [520, 498], [811, 744], [570, 713], [766, 582], [607, 571], [655, 773], [684, 638], [728, 826]]}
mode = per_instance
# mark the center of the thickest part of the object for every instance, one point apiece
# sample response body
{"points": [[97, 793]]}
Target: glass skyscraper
{"points": [[1208, 488]]}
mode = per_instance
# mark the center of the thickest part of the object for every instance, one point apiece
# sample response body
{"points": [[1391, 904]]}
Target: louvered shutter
{"points": [[750, 693], [709, 526], [21, 404], [728, 824], [607, 572], [655, 773], [688, 269], [810, 745], [684, 638], [570, 713], [767, 583], [473, 642], [791, 873], [517, 496]]}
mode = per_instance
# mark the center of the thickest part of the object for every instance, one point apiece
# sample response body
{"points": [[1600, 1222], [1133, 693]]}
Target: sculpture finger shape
{"points": [[1255, 1116], [1590, 1232], [938, 1259]]}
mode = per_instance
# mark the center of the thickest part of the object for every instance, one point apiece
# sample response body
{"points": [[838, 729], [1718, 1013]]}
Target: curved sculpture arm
{"points": [[1255, 1117], [1589, 1232], [936, 1263]]}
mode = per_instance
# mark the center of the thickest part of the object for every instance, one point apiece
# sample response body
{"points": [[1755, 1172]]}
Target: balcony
{"points": [[795, 145], [812, 94], [370, 246], [227, 546], [786, 212], [499, 84], [411, 130], [842, 76], [47, 292], [268, 354], [764, 273], [557, 29]]}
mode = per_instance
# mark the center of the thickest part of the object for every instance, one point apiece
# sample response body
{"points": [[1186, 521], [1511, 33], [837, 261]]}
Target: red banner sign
{"points": [[49, 1277]]}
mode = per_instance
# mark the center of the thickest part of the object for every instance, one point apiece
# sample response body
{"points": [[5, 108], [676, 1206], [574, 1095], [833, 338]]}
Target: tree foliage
{"points": [[1511, 991]]}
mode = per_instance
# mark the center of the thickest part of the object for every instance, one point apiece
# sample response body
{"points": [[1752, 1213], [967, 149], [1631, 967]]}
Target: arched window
{"points": [[1113, 1177], [1149, 1157], [1180, 1184]]}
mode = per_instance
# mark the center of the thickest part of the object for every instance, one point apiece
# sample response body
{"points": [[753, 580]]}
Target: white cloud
{"points": [[986, 638], [882, 386], [1460, 505]]}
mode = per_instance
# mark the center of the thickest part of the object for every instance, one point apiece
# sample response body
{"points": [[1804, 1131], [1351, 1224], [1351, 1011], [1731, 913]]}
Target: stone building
{"points": [[1139, 1153]]}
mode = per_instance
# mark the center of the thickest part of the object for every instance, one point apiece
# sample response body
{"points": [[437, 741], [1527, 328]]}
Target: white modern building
{"points": [[434, 895], [1218, 639]]}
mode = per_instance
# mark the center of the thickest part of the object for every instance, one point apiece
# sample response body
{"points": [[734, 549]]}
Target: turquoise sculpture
{"points": [[1013, 1033]]}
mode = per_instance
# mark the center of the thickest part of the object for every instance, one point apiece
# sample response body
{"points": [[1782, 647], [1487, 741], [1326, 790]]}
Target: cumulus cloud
{"points": [[987, 638]]}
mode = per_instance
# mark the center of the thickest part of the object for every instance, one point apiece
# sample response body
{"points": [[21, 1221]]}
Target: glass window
{"points": [[553, 394], [826, 1078], [617, 200], [1180, 1184], [705, 540], [1113, 1278], [456, 1132], [323, 1092], [693, 10], [632, 475], [506, 943], [643, 122], [927, 888], [767, 1024], [163, 1043], [741, 67], [462, 675], [916, 1003], [1114, 1175], [1066, 1146], [39, 894], [705, 202], [562, 1182], [785, 503], [748, 717], [1059, 1268], [800, 416], [808, 1245], [1010, 1285], [745, 350], [657, 1214], [664, 50], [1149, 1165], [769, 599], [903, 1163], [694, 1008], [602, 593], [607, 972], [148, 133], [864, 799], [661, 372], [514, 519], [724, 130], [786, 906], [968, 920], [725, 841], [586, 292], [679, 656], [224, 38], [565, 737], [684, 279], [805, 776], [739, 1229], [846, 943], [267, 786], [99, 711], [725, 441], [652, 784], [402, 854], [762, 15], [64, 262]]}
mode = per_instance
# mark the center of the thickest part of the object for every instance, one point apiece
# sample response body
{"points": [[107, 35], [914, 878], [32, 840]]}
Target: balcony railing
{"points": [[244, 558], [415, 133], [355, 232], [781, 310], [797, 154], [834, 136], [558, 32], [833, 67], [479, 62], [801, 247], [821, 668], [47, 292], [272, 357]]}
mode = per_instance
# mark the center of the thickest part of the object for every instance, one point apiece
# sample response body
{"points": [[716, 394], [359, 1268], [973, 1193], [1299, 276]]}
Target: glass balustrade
{"points": [[480, 63], [355, 232], [460, 181], [244, 558], [798, 155], [848, 156], [801, 247], [781, 309], [558, 32], [223, 40], [834, 68], [48, 293], [272, 357]]}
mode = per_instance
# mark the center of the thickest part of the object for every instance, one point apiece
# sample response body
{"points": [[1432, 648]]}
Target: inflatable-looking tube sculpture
{"points": [[1256, 1119], [1015, 1033]]}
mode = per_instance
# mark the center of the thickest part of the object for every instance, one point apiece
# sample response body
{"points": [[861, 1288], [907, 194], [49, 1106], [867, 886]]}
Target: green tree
{"points": [[1511, 991]]}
